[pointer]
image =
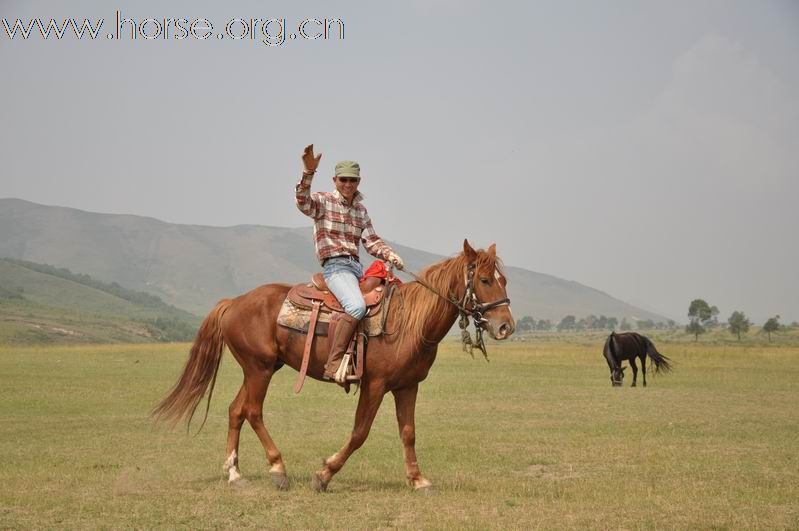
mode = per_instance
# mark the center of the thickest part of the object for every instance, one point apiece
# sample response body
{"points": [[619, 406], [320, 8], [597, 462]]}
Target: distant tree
{"points": [[700, 313], [567, 323], [612, 323], [602, 322], [646, 324], [525, 324], [713, 322], [738, 323], [700, 310], [671, 323], [795, 324], [625, 326], [544, 325], [772, 325], [695, 327]]}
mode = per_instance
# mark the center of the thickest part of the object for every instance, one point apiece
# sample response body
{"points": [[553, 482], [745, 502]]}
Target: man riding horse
{"points": [[340, 222], [469, 285]]}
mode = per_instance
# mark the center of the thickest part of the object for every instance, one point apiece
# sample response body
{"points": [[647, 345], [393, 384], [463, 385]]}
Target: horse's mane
{"points": [[418, 305]]}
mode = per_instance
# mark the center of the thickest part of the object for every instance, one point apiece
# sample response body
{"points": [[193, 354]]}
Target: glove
{"points": [[309, 160], [396, 260]]}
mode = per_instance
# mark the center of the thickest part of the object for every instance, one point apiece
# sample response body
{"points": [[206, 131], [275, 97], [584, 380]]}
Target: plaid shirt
{"points": [[338, 225]]}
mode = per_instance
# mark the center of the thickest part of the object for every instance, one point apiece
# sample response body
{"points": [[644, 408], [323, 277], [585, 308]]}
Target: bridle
{"points": [[468, 306], [620, 371]]}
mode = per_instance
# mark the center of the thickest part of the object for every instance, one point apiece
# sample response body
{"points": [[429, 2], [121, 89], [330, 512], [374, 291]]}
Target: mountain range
{"points": [[193, 266]]}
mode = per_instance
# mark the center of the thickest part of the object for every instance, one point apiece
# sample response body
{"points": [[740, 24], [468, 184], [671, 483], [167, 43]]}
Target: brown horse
{"points": [[395, 362]]}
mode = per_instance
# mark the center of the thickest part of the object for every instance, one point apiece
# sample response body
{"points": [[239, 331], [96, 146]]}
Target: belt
{"points": [[345, 256]]}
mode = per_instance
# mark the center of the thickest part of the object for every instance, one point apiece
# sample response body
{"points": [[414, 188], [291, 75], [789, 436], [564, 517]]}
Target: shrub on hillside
{"points": [[167, 329]]}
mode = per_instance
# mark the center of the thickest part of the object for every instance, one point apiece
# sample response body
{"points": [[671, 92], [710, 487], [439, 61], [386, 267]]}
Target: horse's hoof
{"points": [[317, 484], [238, 483], [422, 485], [279, 480]]}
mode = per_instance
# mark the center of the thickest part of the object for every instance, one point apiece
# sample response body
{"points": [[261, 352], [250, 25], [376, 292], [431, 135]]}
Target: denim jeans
{"points": [[341, 275]]}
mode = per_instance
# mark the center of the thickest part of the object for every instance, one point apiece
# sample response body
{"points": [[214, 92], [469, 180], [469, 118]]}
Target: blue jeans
{"points": [[341, 275]]}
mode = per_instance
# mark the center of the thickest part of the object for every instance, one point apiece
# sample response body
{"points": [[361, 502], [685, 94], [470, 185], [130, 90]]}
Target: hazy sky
{"points": [[647, 149]]}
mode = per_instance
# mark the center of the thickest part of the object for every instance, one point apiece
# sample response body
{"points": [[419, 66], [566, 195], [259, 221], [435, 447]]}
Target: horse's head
{"points": [[617, 376], [490, 299]]}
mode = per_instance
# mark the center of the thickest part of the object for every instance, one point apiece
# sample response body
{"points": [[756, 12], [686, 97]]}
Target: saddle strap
{"points": [[359, 348], [306, 354]]}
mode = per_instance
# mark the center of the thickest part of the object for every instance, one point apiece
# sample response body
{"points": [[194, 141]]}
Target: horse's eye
{"points": [[485, 280]]}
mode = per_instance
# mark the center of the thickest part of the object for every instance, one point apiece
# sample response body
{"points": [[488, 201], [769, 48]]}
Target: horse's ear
{"points": [[471, 254], [492, 250]]}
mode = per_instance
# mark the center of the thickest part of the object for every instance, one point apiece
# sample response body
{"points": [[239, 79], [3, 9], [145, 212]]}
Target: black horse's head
{"points": [[617, 376]]}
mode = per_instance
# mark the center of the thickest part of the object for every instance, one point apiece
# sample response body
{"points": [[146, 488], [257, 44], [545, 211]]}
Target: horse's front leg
{"points": [[369, 402], [635, 371], [405, 401]]}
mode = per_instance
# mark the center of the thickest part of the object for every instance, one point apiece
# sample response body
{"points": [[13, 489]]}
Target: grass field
{"points": [[536, 439]]}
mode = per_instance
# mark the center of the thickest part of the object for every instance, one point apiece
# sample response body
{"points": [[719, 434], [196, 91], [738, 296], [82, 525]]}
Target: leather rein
{"points": [[469, 306]]}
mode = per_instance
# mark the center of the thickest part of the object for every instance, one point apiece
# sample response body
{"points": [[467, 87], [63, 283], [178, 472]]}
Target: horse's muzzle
{"points": [[501, 328]]}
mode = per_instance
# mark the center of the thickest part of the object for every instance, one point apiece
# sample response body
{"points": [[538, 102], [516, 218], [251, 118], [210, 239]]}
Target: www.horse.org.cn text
{"points": [[269, 31]]}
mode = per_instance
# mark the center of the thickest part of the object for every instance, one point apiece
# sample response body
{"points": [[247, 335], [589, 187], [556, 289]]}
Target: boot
{"points": [[344, 330]]}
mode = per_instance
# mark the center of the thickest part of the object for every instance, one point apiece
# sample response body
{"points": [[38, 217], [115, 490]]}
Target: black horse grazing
{"points": [[628, 346]]}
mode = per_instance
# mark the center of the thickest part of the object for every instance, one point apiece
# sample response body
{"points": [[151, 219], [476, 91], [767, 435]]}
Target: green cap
{"points": [[348, 168]]}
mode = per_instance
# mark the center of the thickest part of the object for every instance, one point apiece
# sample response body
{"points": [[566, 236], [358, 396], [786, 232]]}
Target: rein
{"points": [[475, 312]]}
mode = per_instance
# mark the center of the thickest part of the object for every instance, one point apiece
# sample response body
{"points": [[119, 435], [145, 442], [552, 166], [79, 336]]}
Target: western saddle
{"points": [[316, 296]]}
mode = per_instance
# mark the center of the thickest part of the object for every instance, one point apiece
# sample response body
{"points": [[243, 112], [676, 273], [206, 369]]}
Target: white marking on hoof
{"points": [[233, 475], [231, 461], [231, 467], [422, 483]]}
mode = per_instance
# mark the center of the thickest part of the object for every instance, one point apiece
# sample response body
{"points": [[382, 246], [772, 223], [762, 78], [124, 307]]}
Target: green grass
{"points": [[535, 439]]}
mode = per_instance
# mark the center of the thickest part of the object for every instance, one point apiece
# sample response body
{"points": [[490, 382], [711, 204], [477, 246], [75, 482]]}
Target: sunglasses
{"points": [[349, 179]]}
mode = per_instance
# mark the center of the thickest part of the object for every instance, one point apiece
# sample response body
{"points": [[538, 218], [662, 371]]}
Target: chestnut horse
{"points": [[394, 362]]}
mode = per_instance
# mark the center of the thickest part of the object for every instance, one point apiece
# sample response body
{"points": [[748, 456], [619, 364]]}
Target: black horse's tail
{"points": [[661, 362]]}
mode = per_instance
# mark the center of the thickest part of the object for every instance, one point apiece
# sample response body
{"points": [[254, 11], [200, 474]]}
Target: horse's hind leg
{"points": [[635, 370], [256, 382], [643, 368], [235, 420]]}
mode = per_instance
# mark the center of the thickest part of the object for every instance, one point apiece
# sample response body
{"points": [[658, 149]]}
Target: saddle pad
{"points": [[298, 318]]}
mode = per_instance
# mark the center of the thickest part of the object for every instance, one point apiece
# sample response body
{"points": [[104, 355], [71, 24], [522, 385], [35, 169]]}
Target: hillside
{"points": [[39, 307], [192, 266]]}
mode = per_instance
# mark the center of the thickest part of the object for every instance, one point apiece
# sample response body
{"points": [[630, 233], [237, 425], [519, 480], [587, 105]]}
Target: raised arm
{"points": [[306, 202]]}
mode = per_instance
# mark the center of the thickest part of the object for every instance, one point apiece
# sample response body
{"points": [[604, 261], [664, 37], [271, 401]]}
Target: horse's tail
{"points": [[661, 362], [199, 372]]}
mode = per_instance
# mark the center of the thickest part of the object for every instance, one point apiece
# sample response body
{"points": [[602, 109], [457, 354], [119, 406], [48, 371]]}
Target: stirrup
{"points": [[341, 373]]}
